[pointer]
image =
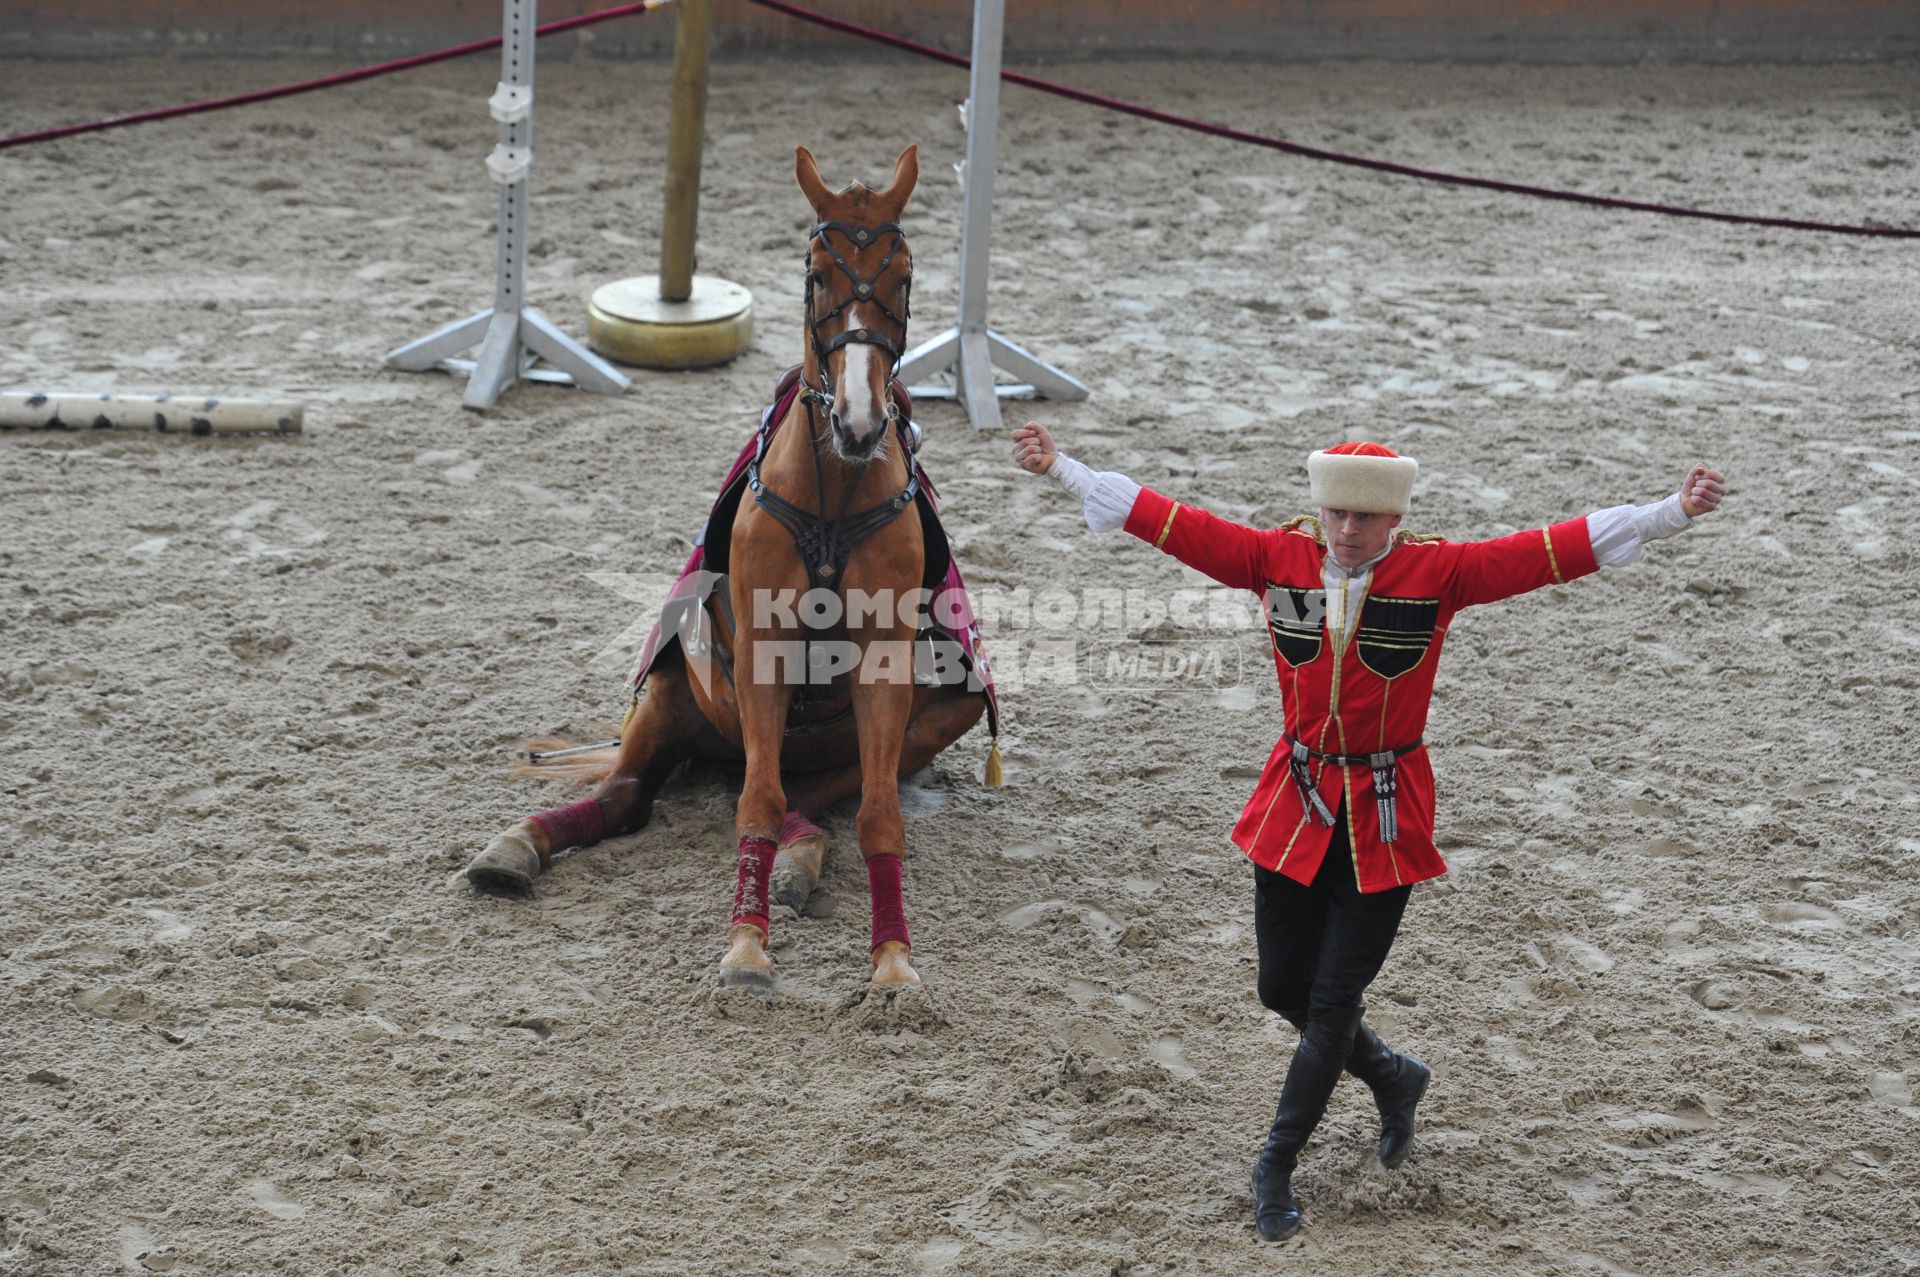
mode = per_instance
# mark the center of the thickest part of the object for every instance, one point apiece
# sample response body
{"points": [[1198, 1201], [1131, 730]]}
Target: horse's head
{"points": [[859, 271]]}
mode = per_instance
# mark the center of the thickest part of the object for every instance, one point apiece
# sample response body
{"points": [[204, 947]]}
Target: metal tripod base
{"points": [[967, 360], [510, 342]]}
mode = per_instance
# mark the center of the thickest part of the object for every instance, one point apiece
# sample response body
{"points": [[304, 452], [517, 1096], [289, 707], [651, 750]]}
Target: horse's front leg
{"points": [[882, 707], [763, 664]]}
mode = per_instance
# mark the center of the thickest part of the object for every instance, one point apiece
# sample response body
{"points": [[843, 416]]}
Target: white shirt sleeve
{"points": [[1106, 497], [1620, 532]]}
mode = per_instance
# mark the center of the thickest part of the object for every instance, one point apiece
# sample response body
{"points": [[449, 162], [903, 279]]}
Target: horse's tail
{"points": [[576, 764]]}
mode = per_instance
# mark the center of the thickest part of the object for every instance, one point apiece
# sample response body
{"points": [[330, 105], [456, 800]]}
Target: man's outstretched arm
{"points": [[1620, 532], [1228, 552], [1486, 571]]}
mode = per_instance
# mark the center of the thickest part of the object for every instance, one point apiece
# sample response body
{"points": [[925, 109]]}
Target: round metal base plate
{"points": [[628, 320]]}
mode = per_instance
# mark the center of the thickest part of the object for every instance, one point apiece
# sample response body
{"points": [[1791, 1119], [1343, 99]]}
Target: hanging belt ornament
{"points": [[1386, 782], [1309, 792]]}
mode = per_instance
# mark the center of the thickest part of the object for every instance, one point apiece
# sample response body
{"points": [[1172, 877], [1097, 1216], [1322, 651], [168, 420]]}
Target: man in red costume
{"points": [[1340, 826]]}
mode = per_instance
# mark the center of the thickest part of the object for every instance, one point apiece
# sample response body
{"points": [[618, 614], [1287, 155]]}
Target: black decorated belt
{"points": [[1386, 780]]}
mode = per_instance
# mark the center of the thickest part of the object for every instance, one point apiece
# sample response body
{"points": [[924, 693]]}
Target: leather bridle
{"points": [[862, 237], [826, 545]]}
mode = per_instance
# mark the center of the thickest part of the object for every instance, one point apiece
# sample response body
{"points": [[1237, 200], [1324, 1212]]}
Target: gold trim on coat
{"points": [[1380, 742], [1293, 525], [1166, 527]]}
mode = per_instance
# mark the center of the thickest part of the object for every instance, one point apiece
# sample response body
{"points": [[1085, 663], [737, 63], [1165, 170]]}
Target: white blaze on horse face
{"points": [[858, 409]]}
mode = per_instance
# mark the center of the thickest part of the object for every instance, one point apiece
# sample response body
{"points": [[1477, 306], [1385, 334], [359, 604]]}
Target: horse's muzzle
{"points": [[856, 447]]}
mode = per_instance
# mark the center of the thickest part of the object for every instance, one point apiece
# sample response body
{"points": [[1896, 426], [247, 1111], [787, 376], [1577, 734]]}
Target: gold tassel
{"points": [[632, 707], [993, 765]]}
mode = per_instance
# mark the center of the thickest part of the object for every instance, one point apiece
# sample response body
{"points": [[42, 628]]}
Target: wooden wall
{"points": [[1470, 30]]}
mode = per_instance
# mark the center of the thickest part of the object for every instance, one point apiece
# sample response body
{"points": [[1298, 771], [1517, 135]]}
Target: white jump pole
{"points": [[511, 335], [967, 353], [182, 414]]}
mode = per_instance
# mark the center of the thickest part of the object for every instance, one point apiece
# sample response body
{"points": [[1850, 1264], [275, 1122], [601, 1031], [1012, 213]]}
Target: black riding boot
{"points": [[1317, 1064], [1397, 1082]]}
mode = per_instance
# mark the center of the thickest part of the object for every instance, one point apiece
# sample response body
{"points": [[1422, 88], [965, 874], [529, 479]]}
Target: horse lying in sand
{"points": [[843, 695]]}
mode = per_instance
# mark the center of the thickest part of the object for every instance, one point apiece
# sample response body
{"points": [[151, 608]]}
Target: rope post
{"points": [[511, 334], [966, 354], [677, 319]]}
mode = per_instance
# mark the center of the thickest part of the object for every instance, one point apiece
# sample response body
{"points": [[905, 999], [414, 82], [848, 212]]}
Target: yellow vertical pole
{"points": [[677, 319], [686, 131]]}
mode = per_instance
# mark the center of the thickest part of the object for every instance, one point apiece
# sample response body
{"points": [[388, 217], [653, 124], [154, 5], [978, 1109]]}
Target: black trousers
{"points": [[1321, 945]]}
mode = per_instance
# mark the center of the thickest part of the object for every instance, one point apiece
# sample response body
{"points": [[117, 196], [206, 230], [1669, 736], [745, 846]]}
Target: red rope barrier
{"points": [[1332, 157], [325, 82], [1012, 77]]}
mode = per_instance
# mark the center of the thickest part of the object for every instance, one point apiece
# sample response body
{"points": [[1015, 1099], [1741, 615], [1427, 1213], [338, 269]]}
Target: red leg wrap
{"points": [[580, 824], [885, 886], [750, 893], [797, 827]]}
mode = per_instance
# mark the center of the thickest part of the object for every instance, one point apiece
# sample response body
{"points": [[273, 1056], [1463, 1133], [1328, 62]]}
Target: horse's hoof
{"points": [[890, 967], [509, 864], [750, 979], [791, 883], [746, 966], [797, 867]]}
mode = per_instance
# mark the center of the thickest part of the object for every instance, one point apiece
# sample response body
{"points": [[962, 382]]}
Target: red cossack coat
{"points": [[1373, 695]]}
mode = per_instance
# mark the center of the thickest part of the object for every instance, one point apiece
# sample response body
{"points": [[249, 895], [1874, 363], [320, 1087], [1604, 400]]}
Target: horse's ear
{"points": [[807, 173], [906, 175]]}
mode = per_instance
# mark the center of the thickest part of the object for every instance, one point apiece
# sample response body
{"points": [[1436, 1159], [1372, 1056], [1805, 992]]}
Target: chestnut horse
{"points": [[838, 449]]}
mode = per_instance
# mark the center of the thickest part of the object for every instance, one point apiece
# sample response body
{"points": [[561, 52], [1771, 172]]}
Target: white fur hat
{"points": [[1366, 477]]}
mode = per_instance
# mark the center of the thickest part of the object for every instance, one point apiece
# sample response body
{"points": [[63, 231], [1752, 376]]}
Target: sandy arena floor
{"points": [[261, 696]]}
